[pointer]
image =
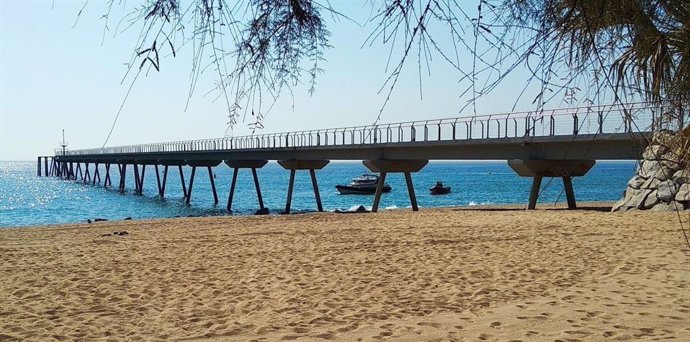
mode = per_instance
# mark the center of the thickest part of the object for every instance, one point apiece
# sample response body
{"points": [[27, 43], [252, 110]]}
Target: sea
{"points": [[28, 200]]}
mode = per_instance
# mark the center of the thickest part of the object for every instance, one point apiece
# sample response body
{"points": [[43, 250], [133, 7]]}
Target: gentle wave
{"points": [[29, 200]]}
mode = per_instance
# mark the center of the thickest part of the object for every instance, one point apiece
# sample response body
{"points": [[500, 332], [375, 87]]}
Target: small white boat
{"points": [[362, 185]]}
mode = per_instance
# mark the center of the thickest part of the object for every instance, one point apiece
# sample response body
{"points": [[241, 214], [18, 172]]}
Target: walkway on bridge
{"points": [[548, 143]]}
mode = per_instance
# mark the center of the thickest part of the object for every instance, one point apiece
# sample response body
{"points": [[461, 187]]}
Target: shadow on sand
{"points": [[606, 208]]}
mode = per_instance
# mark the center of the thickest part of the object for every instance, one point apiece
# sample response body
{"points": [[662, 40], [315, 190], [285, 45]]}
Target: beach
{"points": [[451, 274]]}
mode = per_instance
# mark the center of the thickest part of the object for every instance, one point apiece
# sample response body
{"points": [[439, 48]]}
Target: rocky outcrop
{"points": [[661, 182]]}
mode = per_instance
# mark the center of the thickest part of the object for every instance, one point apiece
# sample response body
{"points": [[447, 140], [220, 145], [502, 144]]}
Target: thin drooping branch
{"points": [[260, 49]]}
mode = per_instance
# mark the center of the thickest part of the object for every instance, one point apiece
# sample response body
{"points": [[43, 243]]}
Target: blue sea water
{"points": [[26, 199]]}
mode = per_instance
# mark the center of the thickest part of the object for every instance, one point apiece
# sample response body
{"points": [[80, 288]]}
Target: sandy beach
{"points": [[499, 274]]}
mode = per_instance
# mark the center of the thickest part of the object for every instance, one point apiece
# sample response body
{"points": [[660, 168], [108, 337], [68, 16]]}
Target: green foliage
{"points": [[642, 45]]}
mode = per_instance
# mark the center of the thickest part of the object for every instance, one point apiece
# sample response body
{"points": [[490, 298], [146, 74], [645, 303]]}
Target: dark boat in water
{"points": [[362, 185], [439, 189]]}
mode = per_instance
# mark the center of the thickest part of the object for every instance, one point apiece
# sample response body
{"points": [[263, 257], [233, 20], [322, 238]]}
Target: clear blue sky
{"points": [[54, 76]]}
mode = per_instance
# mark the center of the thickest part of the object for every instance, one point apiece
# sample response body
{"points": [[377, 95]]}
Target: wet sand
{"points": [[436, 275]]}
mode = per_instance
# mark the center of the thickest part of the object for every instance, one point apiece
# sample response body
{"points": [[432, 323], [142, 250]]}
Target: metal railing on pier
{"points": [[602, 119]]}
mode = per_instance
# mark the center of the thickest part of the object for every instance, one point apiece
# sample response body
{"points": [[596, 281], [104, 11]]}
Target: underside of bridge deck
{"points": [[385, 166], [247, 164], [302, 164], [537, 169], [536, 157]]}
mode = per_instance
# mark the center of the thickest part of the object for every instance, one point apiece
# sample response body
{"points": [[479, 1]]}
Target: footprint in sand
{"points": [[326, 336], [290, 337], [484, 337], [300, 330]]}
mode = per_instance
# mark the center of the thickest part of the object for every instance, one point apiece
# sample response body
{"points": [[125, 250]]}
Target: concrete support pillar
{"points": [[158, 178], [123, 176], [245, 164], [258, 190], [45, 163], [107, 182], [38, 169], [385, 166], [141, 179], [379, 191], [87, 173], [410, 191], [315, 185], [96, 174], [166, 165], [566, 169], [534, 192], [184, 186], [311, 165], [232, 189], [213, 185], [202, 163], [191, 185], [137, 189], [569, 193], [78, 171], [291, 185]]}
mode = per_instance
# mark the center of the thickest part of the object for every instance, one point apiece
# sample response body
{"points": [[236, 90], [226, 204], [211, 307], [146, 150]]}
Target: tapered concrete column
{"points": [[107, 182], [141, 179], [87, 173], [311, 165], [137, 182], [123, 173], [213, 185], [166, 164], [123, 176], [191, 185], [245, 164], [78, 171], [569, 193], [379, 190], [534, 192], [566, 169], [141, 176], [158, 178], [384, 166], [184, 186]]}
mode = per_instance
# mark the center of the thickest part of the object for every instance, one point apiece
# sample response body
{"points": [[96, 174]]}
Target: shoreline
{"points": [[56, 201], [490, 273], [585, 205]]}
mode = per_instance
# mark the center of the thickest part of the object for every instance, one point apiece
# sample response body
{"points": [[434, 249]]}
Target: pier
{"points": [[563, 143]]}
